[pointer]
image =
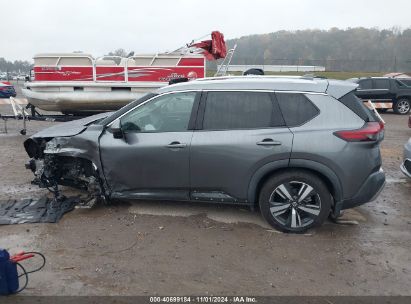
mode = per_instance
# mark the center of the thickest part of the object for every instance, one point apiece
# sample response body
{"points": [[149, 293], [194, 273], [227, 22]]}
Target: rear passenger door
{"points": [[237, 132], [381, 89]]}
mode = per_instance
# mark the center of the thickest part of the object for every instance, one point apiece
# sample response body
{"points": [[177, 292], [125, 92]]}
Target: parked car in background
{"points": [[7, 90], [386, 93], [20, 77], [300, 148], [406, 165]]}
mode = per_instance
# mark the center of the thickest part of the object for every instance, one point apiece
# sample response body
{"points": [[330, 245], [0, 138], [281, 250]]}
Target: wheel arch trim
{"points": [[316, 167]]}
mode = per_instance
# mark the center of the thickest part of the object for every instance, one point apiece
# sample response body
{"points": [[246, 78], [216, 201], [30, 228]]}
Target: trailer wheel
{"points": [[402, 106]]}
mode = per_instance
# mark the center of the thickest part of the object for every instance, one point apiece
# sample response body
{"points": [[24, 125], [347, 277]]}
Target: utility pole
{"points": [[395, 63]]}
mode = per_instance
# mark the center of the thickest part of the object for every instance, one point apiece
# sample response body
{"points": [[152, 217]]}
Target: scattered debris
{"points": [[346, 222], [42, 210], [68, 268]]}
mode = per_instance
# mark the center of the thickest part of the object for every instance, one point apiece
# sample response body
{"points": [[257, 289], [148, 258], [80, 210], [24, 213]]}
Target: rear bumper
{"points": [[368, 192], [406, 167]]}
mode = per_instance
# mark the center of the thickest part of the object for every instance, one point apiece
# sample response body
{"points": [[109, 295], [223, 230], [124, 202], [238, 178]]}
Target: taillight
{"points": [[369, 132]]}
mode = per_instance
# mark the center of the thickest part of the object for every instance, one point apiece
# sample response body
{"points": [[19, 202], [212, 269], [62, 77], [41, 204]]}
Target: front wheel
{"points": [[294, 201], [402, 106]]}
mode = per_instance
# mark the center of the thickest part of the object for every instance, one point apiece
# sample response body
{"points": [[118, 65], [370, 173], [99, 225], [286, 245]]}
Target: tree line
{"points": [[17, 66], [353, 49]]}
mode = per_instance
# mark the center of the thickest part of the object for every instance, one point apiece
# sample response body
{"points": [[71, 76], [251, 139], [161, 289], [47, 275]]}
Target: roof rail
{"points": [[312, 76]]}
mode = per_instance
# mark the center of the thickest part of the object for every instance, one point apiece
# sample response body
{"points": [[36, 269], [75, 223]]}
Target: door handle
{"points": [[176, 145], [269, 142]]}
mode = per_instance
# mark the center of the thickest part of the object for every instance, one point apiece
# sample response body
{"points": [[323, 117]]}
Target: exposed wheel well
{"points": [[327, 182]]}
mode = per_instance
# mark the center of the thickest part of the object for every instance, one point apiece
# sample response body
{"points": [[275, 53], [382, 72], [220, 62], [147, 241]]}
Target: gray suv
{"points": [[299, 148]]}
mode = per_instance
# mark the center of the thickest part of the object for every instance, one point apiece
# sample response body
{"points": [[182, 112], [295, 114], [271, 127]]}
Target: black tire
{"points": [[402, 106], [254, 71], [289, 216]]}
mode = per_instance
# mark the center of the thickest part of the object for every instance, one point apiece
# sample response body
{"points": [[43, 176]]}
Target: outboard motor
{"points": [[178, 80], [254, 71]]}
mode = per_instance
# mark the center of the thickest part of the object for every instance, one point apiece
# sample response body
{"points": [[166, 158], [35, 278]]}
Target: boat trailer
{"points": [[28, 112]]}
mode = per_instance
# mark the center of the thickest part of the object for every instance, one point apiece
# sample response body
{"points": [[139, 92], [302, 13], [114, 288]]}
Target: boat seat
{"points": [[105, 62], [131, 62]]}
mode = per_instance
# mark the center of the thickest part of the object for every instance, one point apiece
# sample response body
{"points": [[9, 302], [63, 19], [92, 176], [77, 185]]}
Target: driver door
{"points": [[152, 159]]}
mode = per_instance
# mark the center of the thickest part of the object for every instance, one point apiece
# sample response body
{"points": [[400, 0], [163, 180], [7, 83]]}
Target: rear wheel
{"points": [[294, 201], [402, 106]]}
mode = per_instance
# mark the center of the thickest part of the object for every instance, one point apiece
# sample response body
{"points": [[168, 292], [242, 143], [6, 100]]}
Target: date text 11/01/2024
{"points": [[203, 299]]}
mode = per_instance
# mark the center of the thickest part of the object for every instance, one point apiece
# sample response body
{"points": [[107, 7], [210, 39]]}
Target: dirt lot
{"points": [[168, 248]]}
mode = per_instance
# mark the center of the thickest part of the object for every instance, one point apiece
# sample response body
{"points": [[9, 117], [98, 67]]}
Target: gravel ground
{"points": [[167, 248]]}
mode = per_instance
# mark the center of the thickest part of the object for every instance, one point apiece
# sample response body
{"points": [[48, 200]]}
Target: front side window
{"points": [[239, 110], [166, 113]]}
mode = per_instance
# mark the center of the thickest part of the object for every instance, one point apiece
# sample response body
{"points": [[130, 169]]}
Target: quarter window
{"points": [[166, 113], [240, 110], [296, 108]]}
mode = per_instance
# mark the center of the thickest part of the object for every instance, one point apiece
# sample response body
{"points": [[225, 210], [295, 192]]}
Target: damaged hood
{"points": [[70, 128]]}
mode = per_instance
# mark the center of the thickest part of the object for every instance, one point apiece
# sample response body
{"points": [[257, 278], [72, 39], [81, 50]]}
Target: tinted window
{"points": [[239, 110], [381, 84], [166, 113], [365, 84], [404, 82], [296, 108], [357, 106]]}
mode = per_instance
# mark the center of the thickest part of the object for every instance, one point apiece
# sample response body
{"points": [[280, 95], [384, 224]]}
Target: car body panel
{"points": [[315, 141], [70, 128], [141, 164], [226, 160], [222, 165]]}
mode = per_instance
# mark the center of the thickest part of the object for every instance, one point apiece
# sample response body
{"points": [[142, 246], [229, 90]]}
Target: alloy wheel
{"points": [[295, 204], [403, 106]]}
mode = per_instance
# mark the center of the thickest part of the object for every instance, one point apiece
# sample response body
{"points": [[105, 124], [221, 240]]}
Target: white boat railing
{"points": [[95, 65], [117, 61]]}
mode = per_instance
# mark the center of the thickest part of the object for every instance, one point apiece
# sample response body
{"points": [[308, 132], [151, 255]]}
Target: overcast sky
{"points": [[99, 26]]}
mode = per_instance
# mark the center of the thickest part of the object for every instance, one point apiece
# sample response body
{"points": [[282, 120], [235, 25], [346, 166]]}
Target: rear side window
{"points": [[365, 84], [381, 84], [240, 110], [357, 106], [404, 82], [296, 108]]}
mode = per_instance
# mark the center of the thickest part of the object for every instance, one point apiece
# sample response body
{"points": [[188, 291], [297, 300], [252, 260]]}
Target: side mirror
{"points": [[115, 128]]}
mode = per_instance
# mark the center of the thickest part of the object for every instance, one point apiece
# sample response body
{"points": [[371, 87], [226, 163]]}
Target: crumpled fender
{"points": [[84, 145]]}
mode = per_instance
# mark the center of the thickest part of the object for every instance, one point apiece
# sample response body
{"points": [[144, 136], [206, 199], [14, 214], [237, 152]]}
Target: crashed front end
{"points": [[69, 160]]}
